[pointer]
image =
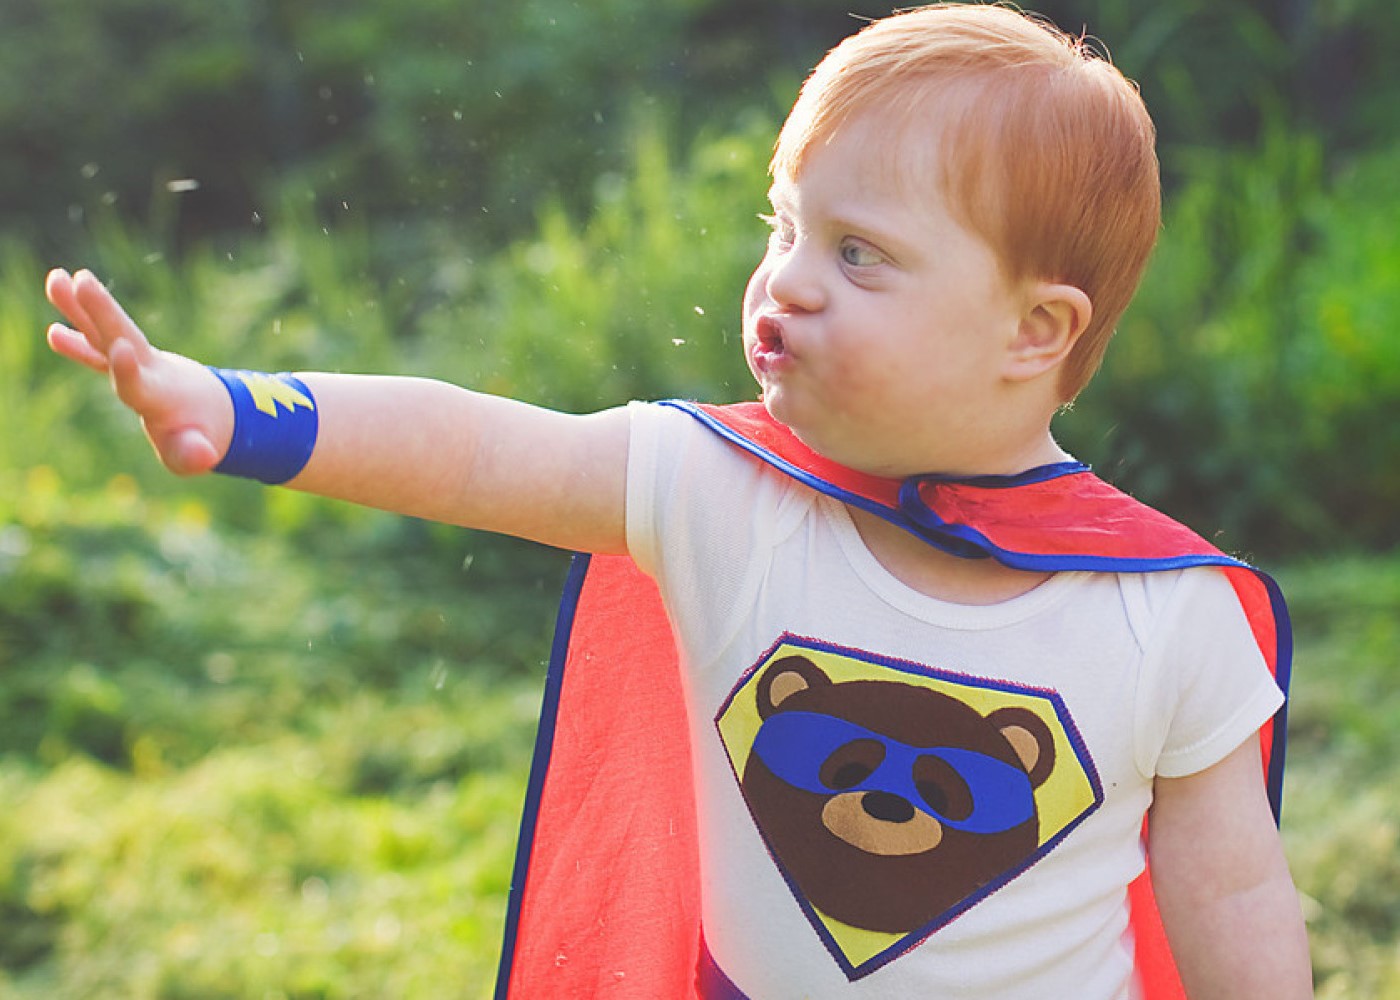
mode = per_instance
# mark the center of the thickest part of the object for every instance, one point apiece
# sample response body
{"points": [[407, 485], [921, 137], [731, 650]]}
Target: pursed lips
{"points": [[769, 346]]}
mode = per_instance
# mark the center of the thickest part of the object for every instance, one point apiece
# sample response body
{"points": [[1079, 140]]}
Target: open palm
{"points": [[184, 409]]}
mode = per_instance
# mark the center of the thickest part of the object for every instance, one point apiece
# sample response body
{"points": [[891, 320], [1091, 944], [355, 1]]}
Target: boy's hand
{"points": [[184, 409]]}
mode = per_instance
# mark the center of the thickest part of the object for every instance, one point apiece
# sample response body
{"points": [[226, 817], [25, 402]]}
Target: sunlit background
{"points": [[255, 745]]}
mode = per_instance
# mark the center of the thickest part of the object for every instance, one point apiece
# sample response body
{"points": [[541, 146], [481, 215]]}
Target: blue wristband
{"points": [[274, 426]]}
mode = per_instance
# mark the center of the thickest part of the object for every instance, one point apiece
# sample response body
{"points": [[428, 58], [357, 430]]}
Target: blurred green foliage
{"points": [[467, 113], [1253, 386], [254, 744], [283, 763], [1341, 816]]}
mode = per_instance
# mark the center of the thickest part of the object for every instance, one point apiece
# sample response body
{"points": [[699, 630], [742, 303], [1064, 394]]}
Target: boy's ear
{"points": [[1056, 316]]}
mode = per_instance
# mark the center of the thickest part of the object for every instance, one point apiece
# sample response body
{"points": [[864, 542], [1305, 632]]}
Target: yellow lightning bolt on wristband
{"points": [[269, 390], [274, 425]]}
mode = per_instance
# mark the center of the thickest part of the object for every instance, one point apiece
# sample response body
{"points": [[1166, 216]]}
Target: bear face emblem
{"points": [[889, 804]]}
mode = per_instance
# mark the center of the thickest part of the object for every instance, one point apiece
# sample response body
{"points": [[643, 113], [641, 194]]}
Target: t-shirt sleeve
{"points": [[1207, 688], [702, 517]]}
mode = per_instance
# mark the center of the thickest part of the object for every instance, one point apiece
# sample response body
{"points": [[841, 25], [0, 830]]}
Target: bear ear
{"points": [[1030, 738], [785, 678]]}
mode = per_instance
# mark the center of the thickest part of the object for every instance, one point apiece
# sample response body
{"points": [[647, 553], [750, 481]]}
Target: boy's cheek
{"points": [[754, 292]]}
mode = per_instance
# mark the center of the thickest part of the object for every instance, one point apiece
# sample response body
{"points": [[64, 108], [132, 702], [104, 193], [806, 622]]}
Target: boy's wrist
{"points": [[275, 423]]}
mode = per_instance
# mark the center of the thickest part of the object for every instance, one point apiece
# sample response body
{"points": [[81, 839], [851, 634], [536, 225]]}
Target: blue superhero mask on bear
{"points": [[828, 756]]}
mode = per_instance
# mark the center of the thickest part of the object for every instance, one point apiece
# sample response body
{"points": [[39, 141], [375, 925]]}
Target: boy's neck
{"points": [[934, 573], [1039, 449]]}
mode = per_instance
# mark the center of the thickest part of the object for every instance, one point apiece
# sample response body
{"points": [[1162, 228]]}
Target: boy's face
{"points": [[876, 324]]}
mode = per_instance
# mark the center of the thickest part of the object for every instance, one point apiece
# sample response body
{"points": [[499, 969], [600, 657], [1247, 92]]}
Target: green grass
{"points": [[255, 767], [1342, 804]]}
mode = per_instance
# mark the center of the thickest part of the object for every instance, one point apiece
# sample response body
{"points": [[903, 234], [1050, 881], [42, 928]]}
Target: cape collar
{"points": [[1048, 519]]}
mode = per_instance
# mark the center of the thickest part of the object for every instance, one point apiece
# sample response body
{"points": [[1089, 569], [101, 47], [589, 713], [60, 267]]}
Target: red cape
{"points": [[605, 901]]}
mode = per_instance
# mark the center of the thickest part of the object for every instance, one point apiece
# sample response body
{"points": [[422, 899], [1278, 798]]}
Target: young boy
{"points": [[917, 772]]}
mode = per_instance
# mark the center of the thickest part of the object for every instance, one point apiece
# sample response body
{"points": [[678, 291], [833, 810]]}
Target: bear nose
{"points": [[888, 807]]}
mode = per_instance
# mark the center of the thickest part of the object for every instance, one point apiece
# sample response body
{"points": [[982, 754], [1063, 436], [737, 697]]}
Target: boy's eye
{"points": [[858, 254]]}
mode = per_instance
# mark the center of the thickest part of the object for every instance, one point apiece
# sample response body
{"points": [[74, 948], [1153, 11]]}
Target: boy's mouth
{"points": [[768, 336], [769, 353]]}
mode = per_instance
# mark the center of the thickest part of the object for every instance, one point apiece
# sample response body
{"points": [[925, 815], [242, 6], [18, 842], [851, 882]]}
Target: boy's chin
{"points": [[774, 404], [780, 410]]}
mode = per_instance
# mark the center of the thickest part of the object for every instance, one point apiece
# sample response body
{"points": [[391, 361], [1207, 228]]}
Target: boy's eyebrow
{"points": [[782, 197], [876, 230], [889, 234]]}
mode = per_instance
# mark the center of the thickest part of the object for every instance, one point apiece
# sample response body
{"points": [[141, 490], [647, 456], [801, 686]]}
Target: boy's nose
{"points": [[794, 280]]}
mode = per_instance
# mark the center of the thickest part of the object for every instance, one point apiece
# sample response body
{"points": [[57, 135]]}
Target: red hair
{"points": [[1046, 149]]}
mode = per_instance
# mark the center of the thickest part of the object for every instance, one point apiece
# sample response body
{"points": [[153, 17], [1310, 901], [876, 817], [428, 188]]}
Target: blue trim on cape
{"points": [[539, 764], [710, 980]]}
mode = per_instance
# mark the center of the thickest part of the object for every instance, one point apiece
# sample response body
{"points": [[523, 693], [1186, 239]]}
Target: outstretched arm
{"points": [[1227, 900], [414, 446]]}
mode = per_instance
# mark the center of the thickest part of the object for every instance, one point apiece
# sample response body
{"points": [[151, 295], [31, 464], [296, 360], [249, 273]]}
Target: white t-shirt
{"points": [[899, 796]]}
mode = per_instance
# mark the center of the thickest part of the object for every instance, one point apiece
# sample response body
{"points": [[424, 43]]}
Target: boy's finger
{"points": [[75, 347], [188, 452], [127, 376], [58, 287], [109, 320], [57, 283]]}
